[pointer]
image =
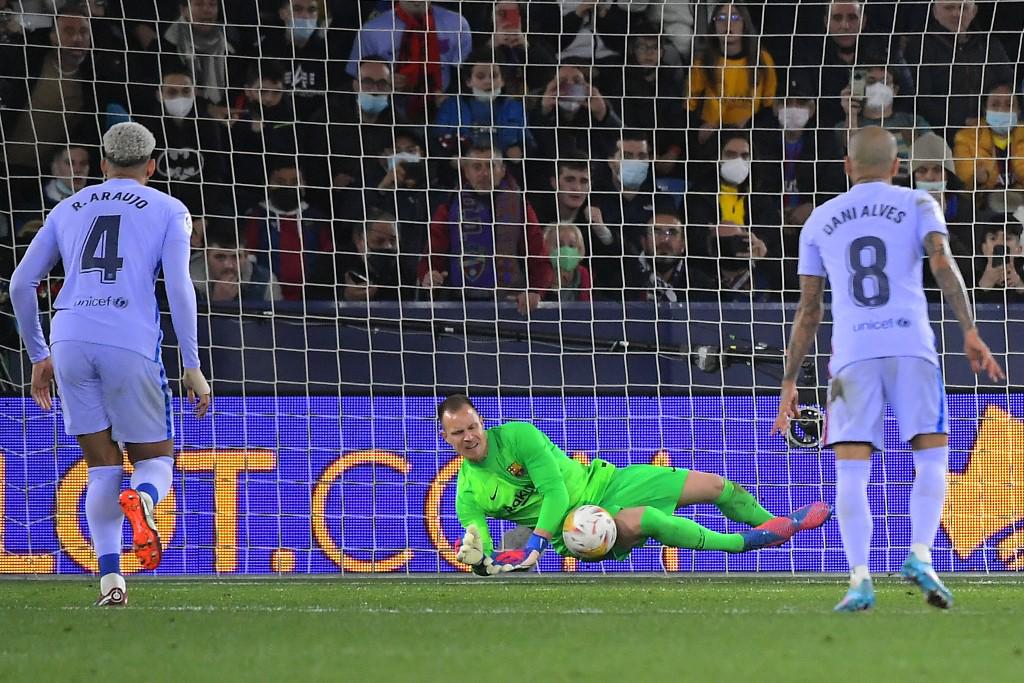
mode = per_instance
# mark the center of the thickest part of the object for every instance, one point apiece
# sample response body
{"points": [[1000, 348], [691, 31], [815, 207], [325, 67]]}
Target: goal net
{"points": [[583, 214]]}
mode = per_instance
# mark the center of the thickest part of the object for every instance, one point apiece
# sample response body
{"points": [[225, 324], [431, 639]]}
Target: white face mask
{"points": [[933, 186], [179, 107], [794, 118], [734, 171], [486, 95], [878, 95]]}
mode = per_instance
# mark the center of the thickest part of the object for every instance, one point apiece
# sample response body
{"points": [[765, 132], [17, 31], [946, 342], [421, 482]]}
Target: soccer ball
{"points": [[589, 532]]}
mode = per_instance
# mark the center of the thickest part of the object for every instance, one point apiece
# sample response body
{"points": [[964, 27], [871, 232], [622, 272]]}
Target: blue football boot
{"points": [[923, 576], [858, 598]]}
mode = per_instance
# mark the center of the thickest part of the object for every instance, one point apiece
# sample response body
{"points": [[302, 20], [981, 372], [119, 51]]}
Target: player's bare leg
{"points": [[151, 480], [931, 460], [103, 513], [853, 469]]}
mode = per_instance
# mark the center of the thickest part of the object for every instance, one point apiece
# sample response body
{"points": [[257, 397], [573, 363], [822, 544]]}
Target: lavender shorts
{"points": [[104, 386], [857, 395]]}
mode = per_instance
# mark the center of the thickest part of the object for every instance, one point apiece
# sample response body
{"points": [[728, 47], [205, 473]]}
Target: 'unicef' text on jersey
{"points": [[112, 238], [869, 242]]}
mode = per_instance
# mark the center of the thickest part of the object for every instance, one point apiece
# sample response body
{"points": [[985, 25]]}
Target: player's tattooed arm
{"points": [[805, 325], [948, 276]]}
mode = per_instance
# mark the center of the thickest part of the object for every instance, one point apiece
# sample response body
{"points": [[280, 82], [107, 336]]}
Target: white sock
{"points": [[853, 510], [858, 574], [926, 498], [108, 581], [153, 477], [103, 513]]}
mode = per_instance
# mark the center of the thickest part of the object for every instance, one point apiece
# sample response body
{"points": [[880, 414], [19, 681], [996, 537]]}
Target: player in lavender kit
{"points": [[868, 243], [113, 240]]}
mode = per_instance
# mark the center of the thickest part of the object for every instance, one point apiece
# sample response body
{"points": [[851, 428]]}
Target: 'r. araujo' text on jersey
{"points": [[113, 239], [869, 242]]}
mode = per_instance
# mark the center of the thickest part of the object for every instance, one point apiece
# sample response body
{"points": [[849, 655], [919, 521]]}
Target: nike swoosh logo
{"points": [[494, 495]]}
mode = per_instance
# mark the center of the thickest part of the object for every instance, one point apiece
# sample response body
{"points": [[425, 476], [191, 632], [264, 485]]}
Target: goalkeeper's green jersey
{"points": [[527, 479]]}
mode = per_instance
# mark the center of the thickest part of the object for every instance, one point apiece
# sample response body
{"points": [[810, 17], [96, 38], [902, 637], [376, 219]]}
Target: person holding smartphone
{"points": [[999, 268]]}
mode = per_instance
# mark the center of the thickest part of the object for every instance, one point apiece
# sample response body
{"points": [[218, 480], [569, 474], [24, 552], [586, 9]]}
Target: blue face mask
{"points": [[1001, 121], [372, 104], [633, 172], [302, 28]]}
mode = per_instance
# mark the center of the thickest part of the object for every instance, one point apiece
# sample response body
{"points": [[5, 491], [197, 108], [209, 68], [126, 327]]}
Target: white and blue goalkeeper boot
{"points": [[859, 598], [922, 574]]}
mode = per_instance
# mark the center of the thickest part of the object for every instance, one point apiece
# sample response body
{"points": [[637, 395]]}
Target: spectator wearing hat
{"points": [[932, 170]]}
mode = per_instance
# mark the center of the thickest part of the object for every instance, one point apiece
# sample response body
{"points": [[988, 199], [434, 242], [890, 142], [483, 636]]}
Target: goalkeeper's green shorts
{"points": [[636, 486]]}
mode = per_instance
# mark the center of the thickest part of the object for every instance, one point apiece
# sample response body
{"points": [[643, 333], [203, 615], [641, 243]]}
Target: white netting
{"points": [[606, 247]]}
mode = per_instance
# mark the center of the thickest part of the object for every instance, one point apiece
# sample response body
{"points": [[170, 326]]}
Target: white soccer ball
{"points": [[589, 532]]}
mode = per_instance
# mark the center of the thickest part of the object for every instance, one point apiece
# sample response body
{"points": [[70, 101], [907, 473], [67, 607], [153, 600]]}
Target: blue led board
{"points": [[328, 484]]}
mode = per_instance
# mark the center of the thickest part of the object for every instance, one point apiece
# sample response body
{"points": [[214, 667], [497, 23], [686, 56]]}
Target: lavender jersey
{"points": [[869, 242], [113, 240]]}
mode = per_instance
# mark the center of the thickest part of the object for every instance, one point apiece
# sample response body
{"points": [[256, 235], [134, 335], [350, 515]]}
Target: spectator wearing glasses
{"points": [[662, 272], [732, 79], [426, 42]]}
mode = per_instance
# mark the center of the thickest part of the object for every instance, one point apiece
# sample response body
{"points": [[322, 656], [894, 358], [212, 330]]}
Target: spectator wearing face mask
{"points": [[291, 238], [653, 97], [869, 101], [625, 196], [361, 127], [426, 42], [191, 163], [990, 156], [404, 191], [69, 173], [483, 105], [713, 211], [299, 47], [367, 266], [568, 253], [952, 60], [933, 170], [266, 125], [807, 160]]}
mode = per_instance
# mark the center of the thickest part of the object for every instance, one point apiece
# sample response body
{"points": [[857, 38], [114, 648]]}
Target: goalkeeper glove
{"points": [[523, 559], [471, 551]]}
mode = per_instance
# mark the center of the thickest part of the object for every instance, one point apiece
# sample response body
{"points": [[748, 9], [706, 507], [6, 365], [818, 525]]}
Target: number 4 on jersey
{"points": [[100, 252]]}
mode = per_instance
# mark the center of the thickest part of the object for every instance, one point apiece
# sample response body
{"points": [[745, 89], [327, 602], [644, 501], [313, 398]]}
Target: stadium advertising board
{"points": [[357, 484]]}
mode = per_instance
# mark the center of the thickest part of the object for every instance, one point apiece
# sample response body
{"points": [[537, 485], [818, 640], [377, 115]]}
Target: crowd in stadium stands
{"points": [[542, 151]]}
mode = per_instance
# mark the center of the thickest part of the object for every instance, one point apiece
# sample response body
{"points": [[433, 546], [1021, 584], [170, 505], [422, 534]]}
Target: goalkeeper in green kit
{"points": [[515, 472]]}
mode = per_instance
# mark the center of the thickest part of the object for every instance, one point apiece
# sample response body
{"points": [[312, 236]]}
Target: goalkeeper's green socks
{"points": [[680, 532], [737, 504]]}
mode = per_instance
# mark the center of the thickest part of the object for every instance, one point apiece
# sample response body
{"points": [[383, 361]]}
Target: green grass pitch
{"points": [[525, 628]]}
